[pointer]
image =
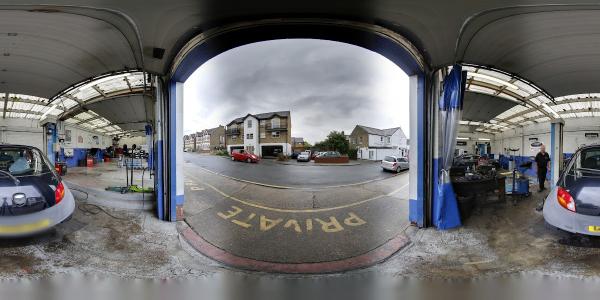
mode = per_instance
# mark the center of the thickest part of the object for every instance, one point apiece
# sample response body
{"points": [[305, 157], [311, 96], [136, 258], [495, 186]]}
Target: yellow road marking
{"points": [[299, 210]]}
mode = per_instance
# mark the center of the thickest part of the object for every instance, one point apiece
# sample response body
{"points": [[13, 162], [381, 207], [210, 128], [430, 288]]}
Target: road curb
{"points": [[373, 257], [308, 164]]}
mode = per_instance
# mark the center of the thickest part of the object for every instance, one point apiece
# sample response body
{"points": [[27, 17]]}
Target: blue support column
{"points": [[417, 150], [175, 138], [556, 150]]}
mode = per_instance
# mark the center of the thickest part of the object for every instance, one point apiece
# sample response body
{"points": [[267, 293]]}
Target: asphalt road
{"points": [[270, 172]]}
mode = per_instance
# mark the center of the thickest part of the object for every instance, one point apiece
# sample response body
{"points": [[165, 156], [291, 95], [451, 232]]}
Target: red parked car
{"points": [[243, 155]]}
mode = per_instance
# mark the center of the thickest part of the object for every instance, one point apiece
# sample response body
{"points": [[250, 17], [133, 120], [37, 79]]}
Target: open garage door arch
{"points": [[215, 41]]}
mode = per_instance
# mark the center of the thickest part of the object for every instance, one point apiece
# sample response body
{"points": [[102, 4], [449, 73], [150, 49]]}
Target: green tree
{"points": [[335, 141]]}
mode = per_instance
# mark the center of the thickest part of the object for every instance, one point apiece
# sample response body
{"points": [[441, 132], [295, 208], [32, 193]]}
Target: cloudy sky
{"points": [[326, 86]]}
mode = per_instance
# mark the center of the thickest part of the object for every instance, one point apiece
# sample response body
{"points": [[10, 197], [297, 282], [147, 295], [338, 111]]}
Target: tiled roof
{"points": [[376, 131], [262, 116]]}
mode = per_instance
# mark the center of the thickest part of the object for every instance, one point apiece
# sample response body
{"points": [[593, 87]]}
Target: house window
{"points": [[249, 123], [263, 135], [388, 139], [275, 122], [275, 134], [360, 138], [250, 136], [234, 137], [381, 139], [262, 123]]}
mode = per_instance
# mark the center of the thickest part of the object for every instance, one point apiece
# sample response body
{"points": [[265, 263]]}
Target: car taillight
{"points": [[394, 165], [59, 193], [565, 200]]}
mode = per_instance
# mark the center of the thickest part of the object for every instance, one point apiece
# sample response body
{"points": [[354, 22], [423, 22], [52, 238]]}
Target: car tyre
{"points": [[232, 158], [248, 160], [398, 169]]}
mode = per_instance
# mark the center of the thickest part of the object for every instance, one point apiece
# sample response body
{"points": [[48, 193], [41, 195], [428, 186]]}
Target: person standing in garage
{"points": [[542, 159]]}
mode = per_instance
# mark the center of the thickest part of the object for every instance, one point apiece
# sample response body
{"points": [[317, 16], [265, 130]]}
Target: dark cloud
{"points": [[326, 85]]}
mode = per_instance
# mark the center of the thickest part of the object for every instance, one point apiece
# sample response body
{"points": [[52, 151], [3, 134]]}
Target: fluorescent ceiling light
{"points": [[497, 80], [483, 139], [462, 138]]}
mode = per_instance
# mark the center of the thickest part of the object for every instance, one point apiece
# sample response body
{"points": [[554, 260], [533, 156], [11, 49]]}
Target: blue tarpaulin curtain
{"points": [[445, 207]]}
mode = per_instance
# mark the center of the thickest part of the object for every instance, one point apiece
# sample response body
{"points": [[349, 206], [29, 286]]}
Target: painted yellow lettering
{"points": [[267, 224], [309, 224], [230, 213], [332, 226], [294, 223], [245, 223], [354, 220]]}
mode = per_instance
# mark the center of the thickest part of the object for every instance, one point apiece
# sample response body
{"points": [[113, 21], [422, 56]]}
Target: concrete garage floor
{"points": [[498, 240]]}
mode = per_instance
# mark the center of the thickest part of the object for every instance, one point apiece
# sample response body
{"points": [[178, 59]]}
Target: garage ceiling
{"points": [[483, 108], [47, 48], [42, 53]]}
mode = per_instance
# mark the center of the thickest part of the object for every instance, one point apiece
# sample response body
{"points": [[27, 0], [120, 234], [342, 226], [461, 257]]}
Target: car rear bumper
{"points": [[25, 225], [561, 218], [388, 168]]}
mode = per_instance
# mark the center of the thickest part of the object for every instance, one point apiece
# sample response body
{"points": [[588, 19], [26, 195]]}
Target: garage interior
{"points": [[76, 80]]}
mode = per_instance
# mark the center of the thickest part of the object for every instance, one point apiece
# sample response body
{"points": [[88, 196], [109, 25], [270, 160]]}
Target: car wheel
{"points": [[398, 169], [232, 158], [248, 160]]}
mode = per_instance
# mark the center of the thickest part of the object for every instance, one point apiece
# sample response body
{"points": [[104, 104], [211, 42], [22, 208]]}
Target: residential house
{"points": [[210, 140], [375, 144], [265, 134], [298, 144], [189, 142]]}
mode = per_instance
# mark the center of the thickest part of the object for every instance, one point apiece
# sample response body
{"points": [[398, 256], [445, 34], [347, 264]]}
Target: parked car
{"points": [[315, 154], [394, 163], [330, 154], [294, 155], [243, 155], [304, 156], [573, 204], [33, 196]]}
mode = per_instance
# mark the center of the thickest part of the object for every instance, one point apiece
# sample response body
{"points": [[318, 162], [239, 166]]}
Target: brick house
{"points": [[210, 140], [375, 144], [265, 134], [189, 142], [298, 144]]}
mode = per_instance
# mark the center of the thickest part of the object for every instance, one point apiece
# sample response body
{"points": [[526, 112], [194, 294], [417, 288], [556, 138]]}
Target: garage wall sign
{"points": [[591, 135], [535, 146]]}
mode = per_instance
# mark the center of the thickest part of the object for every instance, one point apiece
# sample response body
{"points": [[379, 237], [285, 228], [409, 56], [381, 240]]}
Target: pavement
{"points": [[270, 172]]}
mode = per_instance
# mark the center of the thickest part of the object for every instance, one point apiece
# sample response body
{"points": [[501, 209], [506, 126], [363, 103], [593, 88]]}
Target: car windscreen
{"points": [[23, 161], [389, 159]]}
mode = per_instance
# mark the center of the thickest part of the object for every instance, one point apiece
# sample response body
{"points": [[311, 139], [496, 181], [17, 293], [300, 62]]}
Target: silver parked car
{"points": [[394, 163], [304, 156], [33, 198], [573, 204]]}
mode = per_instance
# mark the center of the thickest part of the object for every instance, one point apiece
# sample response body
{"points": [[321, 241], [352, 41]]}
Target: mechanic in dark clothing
{"points": [[542, 160]]}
